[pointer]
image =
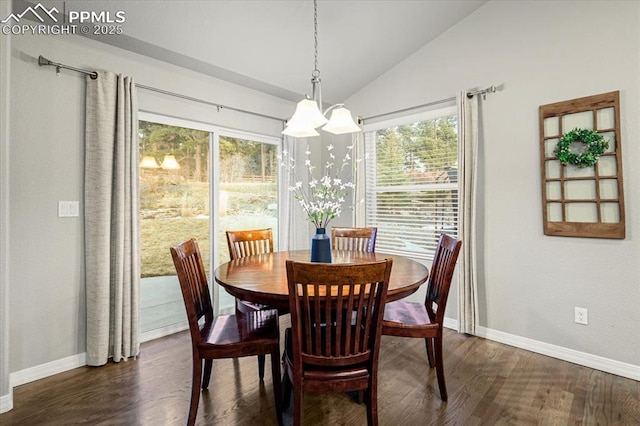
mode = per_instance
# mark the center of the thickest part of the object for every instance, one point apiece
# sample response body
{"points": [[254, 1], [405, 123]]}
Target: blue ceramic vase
{"points": [[321, 247]]}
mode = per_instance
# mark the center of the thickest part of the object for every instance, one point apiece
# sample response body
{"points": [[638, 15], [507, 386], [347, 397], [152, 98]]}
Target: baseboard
{"points": [[60, 366], [607, 365], [49, 369], [6, 401], [450, 323], [65, 364], [164, 331], [581, 358]]}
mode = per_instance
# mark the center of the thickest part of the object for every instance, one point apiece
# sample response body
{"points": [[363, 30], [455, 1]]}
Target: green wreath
{"points": [[595, 143]]}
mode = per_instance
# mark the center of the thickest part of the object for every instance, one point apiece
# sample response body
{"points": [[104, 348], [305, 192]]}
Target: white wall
{"points": [[543, 52], [46, 278]]}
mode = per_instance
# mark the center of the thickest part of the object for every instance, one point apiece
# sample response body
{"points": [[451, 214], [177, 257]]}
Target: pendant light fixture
{"points": [[308, 116]]}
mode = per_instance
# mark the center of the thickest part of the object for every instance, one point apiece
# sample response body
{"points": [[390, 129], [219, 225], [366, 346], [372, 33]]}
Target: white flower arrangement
{"points": [[324, 197]]}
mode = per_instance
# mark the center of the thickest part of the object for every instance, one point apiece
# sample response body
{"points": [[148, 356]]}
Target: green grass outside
{"points": [[158, 235], [181, 213]]}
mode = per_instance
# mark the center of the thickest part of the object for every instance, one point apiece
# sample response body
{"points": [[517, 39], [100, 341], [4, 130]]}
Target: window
{"points": [[412, 181]]}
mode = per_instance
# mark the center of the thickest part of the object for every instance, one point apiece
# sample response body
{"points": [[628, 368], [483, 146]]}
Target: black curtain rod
{"points": [[42, 61]]}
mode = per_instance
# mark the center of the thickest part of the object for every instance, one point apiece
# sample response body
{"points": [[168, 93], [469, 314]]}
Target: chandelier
{"points": [[308, 116]]}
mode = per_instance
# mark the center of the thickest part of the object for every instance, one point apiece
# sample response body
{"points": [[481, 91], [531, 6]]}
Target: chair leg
{"points": [[208, 366], [437, 343], [371, 399], [297, 406], [261, 359], [429, 344], [286, 390], [277, 388], [196, 380]]}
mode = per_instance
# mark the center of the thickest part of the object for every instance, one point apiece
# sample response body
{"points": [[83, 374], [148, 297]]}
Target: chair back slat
{"points": [[354, 239], [248, 243], [440, 276], [336, 311], [193, 284]]}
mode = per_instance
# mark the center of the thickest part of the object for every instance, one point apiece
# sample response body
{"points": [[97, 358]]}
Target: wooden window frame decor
{"points": [[582, 200]]}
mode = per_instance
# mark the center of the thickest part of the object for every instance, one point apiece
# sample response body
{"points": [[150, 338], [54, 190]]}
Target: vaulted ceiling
{"points": [[268, 45]]}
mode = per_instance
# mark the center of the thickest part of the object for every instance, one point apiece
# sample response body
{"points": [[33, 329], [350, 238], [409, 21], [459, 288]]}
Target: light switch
{"points": [[68, 208]]}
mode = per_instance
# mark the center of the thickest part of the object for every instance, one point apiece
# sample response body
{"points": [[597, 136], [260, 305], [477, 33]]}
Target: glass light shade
{"points": [[149, 163], [170, 163], [341, 122], [307, 111], [299, 129]]}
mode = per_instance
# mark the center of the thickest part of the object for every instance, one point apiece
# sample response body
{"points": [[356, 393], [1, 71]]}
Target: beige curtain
{"points": [[111, 219], [359, 179], [467, 182], [295, 232]]}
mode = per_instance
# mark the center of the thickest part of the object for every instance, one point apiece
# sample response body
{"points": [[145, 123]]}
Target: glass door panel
{"points": [[247, 192], [174, 206]]}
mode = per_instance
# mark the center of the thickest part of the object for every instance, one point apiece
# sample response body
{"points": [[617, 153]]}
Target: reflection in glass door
{"points": [[174, 206]]}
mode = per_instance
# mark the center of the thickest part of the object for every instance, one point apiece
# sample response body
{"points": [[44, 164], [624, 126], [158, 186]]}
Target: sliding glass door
{"points": [[197, 181]]}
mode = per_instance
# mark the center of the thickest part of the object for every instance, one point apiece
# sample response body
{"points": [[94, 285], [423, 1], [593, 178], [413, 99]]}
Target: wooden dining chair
{"points": [[228, 336], [334, 339], [409, 319], [354, 239], [247, 243]]}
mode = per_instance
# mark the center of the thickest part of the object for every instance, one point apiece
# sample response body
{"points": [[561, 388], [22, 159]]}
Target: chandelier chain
{"points": [[308, 115], [316, 71]]}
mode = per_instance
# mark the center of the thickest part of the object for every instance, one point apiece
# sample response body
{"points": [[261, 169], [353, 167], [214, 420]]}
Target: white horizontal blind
{"points": [[412, 183]]}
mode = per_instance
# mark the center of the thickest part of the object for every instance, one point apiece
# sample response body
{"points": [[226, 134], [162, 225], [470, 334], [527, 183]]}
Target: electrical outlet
{"points": [[581, 316]]}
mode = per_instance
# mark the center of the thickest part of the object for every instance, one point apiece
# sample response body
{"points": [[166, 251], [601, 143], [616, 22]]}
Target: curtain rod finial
{"points": [[43, 61]]}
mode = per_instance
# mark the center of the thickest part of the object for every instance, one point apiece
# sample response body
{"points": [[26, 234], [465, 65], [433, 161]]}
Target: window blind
{"points": [[412, 184]]}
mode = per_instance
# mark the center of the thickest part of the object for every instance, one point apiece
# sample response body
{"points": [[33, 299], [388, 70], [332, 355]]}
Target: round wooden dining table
{"points": [[262, 278]]}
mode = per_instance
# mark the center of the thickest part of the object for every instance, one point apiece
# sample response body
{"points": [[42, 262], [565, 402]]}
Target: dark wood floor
{"points": [[489, 383]]}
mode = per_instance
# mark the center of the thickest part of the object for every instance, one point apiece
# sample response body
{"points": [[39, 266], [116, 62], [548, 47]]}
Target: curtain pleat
{"points": [[467, 178], [112, 265], [359, 207], [295, 231]]}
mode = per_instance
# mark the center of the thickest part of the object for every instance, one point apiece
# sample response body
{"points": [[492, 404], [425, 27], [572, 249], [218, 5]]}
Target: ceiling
{"points": [[268, 45]]}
